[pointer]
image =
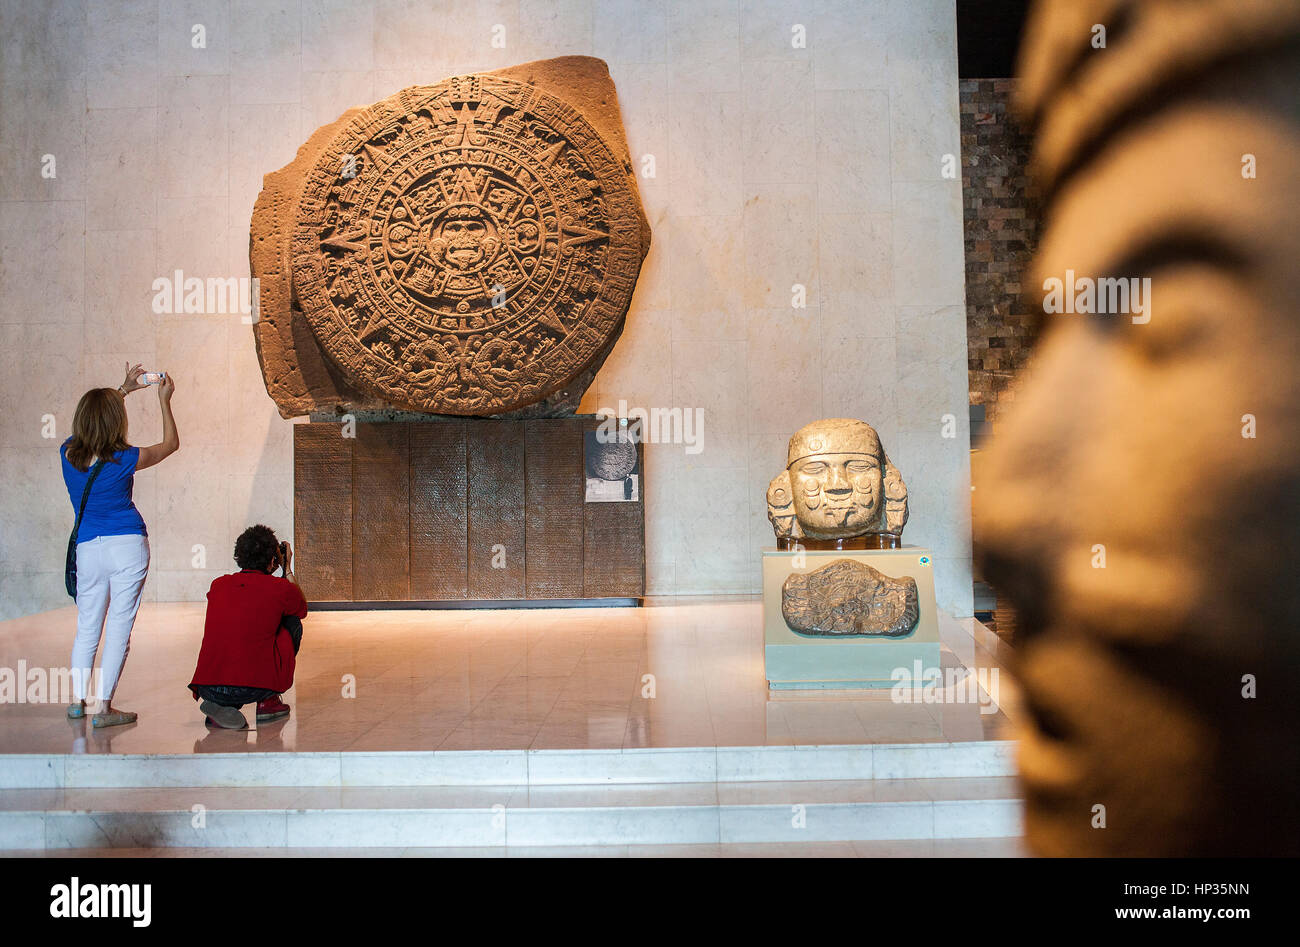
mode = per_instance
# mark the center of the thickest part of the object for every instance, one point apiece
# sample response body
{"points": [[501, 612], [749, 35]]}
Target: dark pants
{"points": [[233, 696], [293, 625], [227, 696]]}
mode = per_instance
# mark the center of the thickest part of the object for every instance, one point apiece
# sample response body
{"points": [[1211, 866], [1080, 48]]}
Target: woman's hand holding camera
{"points": [[166, 385], [133, 373]]}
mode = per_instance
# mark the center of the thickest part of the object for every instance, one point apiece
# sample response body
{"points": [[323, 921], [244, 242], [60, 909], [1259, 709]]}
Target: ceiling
{"points": [[988, 34]]}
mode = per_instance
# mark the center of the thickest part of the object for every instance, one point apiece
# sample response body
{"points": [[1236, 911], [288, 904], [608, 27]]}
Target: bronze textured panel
{"points": [[439, 564], [322, 511], [553, 520], [494, 453], [381, 513], [614, 543]]}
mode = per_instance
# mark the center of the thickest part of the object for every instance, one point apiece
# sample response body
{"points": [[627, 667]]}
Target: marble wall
{"points": [[775, 163]]}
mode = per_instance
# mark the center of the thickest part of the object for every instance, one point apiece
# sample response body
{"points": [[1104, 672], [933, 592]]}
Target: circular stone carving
{"points": [[612, 461], [466, 248]]}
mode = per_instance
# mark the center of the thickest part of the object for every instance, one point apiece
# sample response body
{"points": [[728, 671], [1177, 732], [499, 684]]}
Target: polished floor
{"points": [[675, 673]]}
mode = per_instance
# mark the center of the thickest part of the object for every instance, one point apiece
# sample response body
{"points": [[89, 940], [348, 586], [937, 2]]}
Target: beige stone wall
{"points": [[774, 165]]}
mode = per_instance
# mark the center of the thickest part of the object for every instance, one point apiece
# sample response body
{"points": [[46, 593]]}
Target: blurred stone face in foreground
{"points": [[467, 248], [1129, 434]]}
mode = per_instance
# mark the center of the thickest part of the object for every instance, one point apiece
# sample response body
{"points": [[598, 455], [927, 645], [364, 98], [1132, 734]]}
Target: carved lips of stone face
{"points": [[837, 491]]}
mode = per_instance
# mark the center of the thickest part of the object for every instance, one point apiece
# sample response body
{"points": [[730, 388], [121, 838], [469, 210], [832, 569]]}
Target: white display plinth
{"points": [[795, 660]]}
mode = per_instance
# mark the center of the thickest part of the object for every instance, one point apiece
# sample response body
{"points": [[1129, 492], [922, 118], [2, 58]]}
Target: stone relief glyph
{"points": [[850, 599]]}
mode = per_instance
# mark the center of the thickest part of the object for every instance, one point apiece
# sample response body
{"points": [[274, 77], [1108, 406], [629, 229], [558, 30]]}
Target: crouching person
{"points": [[252, 634]]}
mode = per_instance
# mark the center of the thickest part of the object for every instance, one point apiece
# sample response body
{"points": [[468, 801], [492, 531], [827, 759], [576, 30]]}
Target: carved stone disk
{"points": [[466, 248], [612, 461]]}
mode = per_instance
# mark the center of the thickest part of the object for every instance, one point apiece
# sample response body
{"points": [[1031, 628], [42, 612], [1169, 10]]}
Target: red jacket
{"points": [[243, 644]]}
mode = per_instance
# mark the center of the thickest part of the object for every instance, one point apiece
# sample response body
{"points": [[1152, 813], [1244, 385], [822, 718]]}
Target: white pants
{"points": [[110, 576]]}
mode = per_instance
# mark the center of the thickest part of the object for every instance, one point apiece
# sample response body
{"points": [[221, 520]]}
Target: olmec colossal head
{"points": [[837, 484]]}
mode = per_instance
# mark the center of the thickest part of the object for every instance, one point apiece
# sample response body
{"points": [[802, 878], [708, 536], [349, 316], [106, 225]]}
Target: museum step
{"points": [[1009, 847], [432, 768], [676, 796], [402, 817]]}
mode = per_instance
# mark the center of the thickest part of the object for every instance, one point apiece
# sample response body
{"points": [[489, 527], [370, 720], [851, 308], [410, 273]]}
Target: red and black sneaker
{"points": [[273, 708]]}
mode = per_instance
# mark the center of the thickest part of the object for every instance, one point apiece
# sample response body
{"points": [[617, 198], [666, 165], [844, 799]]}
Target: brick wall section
{"points": [[1000, 231]]}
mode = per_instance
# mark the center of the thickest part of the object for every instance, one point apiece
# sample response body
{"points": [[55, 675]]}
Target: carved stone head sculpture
{"points": [[1140, 507], [837, 484]]}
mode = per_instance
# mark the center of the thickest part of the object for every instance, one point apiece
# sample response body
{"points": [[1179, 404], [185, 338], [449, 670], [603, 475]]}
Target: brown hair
{"points": [[98, 427]]}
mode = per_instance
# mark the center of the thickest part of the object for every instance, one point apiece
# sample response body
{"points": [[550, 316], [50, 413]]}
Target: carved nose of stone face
{"points": [[836, 485]]}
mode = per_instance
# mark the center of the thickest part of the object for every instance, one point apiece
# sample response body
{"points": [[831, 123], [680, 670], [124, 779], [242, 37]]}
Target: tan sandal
{"points": [[114, 719]]}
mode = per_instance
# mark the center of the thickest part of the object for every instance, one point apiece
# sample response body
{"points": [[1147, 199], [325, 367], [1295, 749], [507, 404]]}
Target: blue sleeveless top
{"points": [[110, 511]]}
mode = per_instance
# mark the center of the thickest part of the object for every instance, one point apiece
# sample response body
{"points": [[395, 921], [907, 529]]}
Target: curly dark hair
{"points": [[256, 548]]}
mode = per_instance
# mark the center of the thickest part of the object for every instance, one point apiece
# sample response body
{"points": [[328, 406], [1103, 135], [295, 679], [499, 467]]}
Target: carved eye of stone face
{"points": [[866, 476], [809, 474], [456, 228]]}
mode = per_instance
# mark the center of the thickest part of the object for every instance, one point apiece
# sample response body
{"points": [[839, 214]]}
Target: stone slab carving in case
{"points": [[850, 599], [797, 658]]}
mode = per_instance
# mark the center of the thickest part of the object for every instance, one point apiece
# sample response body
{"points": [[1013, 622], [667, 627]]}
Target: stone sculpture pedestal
{"points": [[796, 661]]}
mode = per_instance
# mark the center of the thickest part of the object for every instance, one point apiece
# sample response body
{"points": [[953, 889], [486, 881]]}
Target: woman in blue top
{"points": [[112, 543]]}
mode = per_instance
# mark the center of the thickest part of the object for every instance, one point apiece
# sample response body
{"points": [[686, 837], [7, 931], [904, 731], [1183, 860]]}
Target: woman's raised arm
{"points": [[171, 441]]}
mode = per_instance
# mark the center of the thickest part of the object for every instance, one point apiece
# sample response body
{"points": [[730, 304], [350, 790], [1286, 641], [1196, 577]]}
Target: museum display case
{"points": [[845, 604]]}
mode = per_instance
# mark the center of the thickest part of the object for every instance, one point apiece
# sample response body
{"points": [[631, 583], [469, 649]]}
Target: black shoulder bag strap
{"points": [[70, 566]]}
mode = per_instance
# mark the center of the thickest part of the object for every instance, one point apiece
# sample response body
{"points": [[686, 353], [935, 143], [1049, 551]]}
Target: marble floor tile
{"points": [[787, 850], [641, 795], [700, 850], [980, 848], [822, 792]]}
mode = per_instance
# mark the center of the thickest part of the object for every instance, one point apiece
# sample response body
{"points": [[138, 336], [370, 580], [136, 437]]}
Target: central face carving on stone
{"points": [[466, 248], [463, 239], [837, 484]]}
